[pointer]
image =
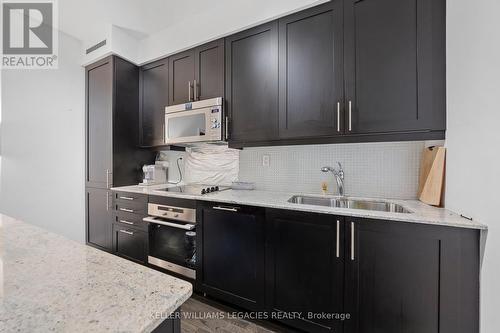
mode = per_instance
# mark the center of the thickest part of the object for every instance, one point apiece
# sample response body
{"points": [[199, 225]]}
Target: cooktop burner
{"points": [[195, 189]]}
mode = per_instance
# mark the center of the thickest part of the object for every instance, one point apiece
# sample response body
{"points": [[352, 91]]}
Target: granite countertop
{"points": [[421, 213], [50, 283]]}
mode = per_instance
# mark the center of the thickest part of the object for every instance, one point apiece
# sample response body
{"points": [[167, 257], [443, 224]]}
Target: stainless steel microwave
{"points": [[195, 122]]}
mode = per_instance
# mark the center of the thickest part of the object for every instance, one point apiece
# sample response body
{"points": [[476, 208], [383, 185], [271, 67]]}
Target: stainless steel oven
{"points": [[172, 238], [195, 122]]}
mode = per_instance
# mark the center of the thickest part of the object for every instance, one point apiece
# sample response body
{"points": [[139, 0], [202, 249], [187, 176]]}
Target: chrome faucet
{"points": [[339, 176]]}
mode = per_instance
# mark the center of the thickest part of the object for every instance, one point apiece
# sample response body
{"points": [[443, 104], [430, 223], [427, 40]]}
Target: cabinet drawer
{"points": [[132, 207], [130, 243], [125, 219], [130, 197]]}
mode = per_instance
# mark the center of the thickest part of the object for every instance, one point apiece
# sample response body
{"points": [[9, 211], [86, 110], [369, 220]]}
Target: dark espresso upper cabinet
{"points": [[153, 91], [99, 131], [112, 136], [311, 72], [197, 74], [349, 71], [252, 84], [181, 77], [394, 58], [209, 70]]}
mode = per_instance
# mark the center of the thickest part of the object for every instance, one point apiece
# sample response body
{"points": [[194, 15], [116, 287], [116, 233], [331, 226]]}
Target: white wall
{"points": [[223, 18], [119, 41], [42, 153], [473, 136]]}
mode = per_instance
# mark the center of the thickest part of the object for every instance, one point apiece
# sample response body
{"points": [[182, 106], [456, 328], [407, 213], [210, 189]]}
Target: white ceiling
{"points": [[88, 20]]}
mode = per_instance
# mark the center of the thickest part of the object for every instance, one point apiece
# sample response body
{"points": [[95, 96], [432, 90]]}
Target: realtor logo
{"points": [[29, 34]]}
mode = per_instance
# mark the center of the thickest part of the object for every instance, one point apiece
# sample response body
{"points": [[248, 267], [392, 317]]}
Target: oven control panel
{"points": [[172, 213]]}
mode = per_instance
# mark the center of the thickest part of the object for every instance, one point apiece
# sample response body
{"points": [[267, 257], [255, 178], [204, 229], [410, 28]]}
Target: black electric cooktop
{"points": [[195, 189]]}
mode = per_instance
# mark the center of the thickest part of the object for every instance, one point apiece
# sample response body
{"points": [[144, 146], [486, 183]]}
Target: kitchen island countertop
{"points": [[50, 283]]}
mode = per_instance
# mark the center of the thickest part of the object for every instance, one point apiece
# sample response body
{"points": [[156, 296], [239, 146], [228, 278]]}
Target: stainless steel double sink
{"points": [[341, 202]]}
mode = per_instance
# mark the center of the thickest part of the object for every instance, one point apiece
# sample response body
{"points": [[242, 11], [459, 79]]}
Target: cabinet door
{"points": [[311, 72], [394, 66], [232, 254], [130, 243], [209, 73], [181, 78], [252, 84], [99, 218], [99, 134], [304, 270], [154, 99], [411, 278]]}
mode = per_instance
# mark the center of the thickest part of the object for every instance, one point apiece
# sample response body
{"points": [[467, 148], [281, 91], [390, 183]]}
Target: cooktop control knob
{"points": [[203, 191], [216, 188]]}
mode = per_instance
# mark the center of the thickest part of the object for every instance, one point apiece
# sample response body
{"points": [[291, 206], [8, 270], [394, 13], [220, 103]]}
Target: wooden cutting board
{"points": [[431, 182]]}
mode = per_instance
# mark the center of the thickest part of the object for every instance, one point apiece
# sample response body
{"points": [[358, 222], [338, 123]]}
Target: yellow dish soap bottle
{"points": [[324, 187]]}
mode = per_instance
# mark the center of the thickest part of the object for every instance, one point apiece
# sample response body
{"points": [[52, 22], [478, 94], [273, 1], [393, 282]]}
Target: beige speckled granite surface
{"points": [[52, 284], [421, 213]]}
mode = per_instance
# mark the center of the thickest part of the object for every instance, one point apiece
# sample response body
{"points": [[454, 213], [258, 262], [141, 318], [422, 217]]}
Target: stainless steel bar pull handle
{"points": [[189, 91], [226, 128], [127, 210], [127, 198], [350, 116], [338, 116], [127, 232], [169, 224], [195, 96], [352, 240], [229, 209], [164, 133], [126, 222], [107, 178], [337, 249]]}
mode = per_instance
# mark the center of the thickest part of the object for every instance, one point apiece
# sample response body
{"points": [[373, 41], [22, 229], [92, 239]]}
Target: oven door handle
{"points": [[228, 209], [169, 224]]}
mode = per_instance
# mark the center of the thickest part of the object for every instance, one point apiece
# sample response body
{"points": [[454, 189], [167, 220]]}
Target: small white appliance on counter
{"points": [[154, 174]]}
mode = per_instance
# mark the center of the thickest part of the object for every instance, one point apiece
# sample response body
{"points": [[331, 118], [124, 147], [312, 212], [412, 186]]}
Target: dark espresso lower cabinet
{"points": [[98, 218], [305, 269], [230, 244], [130, 232], [130, 243], [325, 273], [406, 277]]}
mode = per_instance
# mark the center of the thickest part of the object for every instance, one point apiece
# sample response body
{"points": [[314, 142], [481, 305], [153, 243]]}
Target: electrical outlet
{"points": [[265, 160]]}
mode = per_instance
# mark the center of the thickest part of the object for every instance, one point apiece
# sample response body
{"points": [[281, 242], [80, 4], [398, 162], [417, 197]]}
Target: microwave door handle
{"points": [[165, 131], [169, 224]]}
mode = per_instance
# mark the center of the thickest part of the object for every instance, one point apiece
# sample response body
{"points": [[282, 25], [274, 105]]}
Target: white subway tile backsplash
{"points": [[388, 170]]}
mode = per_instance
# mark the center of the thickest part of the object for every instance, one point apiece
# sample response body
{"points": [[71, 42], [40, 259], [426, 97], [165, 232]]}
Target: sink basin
{"points": [[336, 202]]}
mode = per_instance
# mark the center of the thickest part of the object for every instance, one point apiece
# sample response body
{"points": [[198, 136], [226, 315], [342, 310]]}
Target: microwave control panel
{"points": [[215, 122]]}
